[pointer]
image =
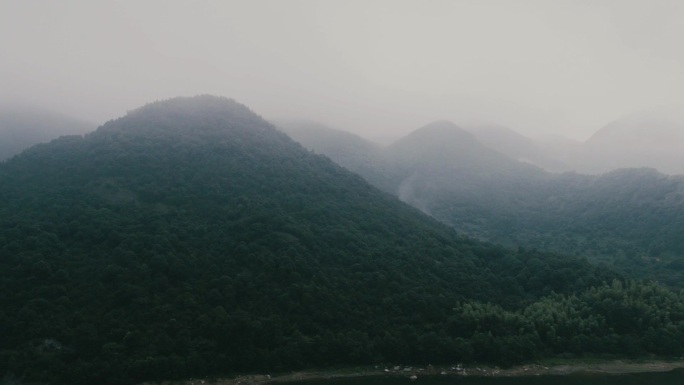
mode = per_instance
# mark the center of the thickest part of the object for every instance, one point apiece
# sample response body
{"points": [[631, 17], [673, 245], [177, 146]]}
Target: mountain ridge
{"points": [[190, 238], [519, 205]]}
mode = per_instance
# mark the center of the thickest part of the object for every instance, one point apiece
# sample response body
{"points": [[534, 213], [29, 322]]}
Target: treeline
{"points": [[140, 334], [625, 319]]}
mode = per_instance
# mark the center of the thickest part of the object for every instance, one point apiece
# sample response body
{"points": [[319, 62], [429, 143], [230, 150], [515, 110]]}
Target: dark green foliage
{"points": [[190, 238], [631, 219]]}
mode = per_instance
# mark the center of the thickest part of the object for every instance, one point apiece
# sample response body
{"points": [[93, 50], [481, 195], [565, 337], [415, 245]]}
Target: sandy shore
{"points": [[612, 367]]}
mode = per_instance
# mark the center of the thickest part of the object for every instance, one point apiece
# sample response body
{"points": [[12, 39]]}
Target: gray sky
{"points": [[377, 68]]}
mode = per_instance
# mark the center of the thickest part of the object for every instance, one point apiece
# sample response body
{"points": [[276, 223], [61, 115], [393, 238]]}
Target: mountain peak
{"points": [[638, 140], [441, 136], [441, 127], [205, 117], [192, 105], [640, 130], [440, 143]]}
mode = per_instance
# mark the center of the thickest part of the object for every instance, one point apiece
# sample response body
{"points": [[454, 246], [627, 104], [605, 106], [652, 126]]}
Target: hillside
{"points": [[517, 146], [628, 218], [190, 238], [443, 143], [442, 158], [346, 149], [24, 126], [633, 141]]}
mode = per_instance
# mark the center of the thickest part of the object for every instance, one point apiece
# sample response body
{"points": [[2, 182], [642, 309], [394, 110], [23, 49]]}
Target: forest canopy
{"points": [[190, 238]]}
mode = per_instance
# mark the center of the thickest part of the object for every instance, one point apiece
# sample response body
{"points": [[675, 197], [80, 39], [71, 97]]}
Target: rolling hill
{"points": [[190, 238]]}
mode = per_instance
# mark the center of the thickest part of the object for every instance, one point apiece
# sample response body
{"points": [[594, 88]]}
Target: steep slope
{"points": [[627, 218], [24, 126], [348, 150], [443, 161], [444, 144], [516, 146], [191, 238]]}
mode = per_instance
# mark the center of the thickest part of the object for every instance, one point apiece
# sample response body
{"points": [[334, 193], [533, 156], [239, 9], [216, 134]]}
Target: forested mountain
{"points": [[23, 126], [191, 238], [443, 144], [443, 158], [346, 149], [629, 218]]}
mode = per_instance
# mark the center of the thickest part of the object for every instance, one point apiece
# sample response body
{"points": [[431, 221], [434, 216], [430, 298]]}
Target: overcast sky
{"points": [[377, 68]]}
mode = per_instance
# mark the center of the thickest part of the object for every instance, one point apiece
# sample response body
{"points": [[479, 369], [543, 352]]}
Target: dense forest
{"points": [[191, 238], [630, 219]]}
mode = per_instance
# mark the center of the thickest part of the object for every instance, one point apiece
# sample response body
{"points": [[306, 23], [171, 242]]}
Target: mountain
{"points": [[328, 140], [346, 149], [627, 218], [190, 238], [636, 141], [24, 126], [438, 157], [442, 159], [516, 146], [441, 144]]}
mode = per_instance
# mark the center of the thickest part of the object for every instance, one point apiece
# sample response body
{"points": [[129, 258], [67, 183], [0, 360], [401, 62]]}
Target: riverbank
{"points": [[415, 372]]}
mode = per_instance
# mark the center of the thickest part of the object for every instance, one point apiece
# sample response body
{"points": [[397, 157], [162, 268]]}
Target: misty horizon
{"points": [[308, 191], [378, 69], [634, 141]]}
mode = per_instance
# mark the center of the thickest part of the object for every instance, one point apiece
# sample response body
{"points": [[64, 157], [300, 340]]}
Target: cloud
{"points": [[374, 67]]}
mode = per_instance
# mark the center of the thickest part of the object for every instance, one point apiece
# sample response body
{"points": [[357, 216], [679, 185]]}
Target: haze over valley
{"points": [[265, 191]]}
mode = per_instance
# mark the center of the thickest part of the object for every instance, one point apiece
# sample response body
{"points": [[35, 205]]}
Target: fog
{"points": [[376, 68]]}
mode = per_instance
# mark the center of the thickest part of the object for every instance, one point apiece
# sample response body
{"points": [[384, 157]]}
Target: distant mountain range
{"points": [[634, 141], [629, 218], [22, 126], [519, 147], [191, 239]]}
